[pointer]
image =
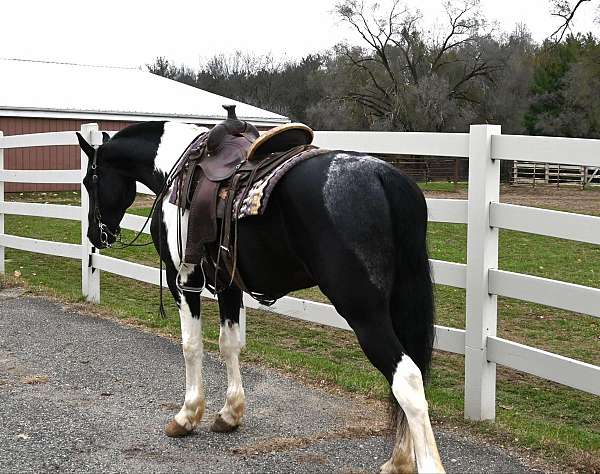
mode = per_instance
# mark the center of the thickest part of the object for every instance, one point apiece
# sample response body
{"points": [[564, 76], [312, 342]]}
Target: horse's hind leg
{"points": [[383, 348], [230, 416], [407, 387], [192, 410]]}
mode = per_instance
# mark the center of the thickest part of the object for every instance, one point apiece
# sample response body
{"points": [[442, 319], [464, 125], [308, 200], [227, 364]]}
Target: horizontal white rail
{"points": [[38, 139], [544, 364], [446, 339], [41, 176], [558, 294], [56, 211], [47, 247], [564, 225], [585, 152], [453, 211], [135, 271], [449, 273], [397, 143], [305, 310], [143, 189], [449, 339], [135, 223]]}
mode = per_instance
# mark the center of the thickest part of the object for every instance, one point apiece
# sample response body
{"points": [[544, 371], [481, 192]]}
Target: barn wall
{"points": [[45, 158]]}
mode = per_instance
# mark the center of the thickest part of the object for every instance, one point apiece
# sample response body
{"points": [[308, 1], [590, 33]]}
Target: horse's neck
{"points": [[175, 139]]}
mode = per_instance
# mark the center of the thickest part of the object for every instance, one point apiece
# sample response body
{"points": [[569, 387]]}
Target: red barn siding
{"points": [[46, 158]]}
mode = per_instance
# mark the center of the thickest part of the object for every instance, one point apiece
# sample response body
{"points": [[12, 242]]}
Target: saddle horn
{"points": [[230, 111], [231, 126]]}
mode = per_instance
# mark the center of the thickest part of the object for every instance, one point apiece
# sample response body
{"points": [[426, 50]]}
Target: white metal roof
{"points": [[62, 90]]}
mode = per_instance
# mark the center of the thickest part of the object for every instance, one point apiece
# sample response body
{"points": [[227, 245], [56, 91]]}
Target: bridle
{"points": [[105, 231]]}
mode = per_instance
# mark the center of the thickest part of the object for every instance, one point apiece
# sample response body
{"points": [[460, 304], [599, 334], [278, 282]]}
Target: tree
{"points": [[507, 99], [163, 67], [408, 81], [564, 89], [285, 87]]}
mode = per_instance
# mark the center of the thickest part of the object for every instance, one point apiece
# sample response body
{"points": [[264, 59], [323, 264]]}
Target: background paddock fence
{"points": [[426, 170], [525, 172], [485, 147]]}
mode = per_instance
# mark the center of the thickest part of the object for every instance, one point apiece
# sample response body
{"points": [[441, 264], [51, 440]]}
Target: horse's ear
{"points": [[85, 146], [105, 137]]}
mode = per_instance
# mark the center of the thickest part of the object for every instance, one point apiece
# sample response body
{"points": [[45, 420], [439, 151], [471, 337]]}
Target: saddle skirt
{"points": [[255, 201]]}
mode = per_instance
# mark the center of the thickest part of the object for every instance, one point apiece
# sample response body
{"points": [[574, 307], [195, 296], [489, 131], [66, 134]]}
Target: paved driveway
{"points": [[80, 393]]}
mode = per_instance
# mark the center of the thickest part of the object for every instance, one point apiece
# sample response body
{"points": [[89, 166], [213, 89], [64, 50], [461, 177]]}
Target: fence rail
{"points": [[482, 212]]}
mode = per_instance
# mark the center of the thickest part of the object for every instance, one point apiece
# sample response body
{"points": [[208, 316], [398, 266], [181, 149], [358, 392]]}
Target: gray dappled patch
{"points": [[353, 188]]}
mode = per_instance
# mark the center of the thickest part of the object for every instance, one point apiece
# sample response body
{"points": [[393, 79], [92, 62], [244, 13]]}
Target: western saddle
{"points": [[216, 171]]}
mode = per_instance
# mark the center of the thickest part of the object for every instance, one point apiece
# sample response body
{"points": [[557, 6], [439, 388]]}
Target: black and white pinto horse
{"points": [[347, 222]]}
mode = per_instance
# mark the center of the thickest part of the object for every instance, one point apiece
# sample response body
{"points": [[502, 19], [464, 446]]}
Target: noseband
{"points": [[105, 232]]}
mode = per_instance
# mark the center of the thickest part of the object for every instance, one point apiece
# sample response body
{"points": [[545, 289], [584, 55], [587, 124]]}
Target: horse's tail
{"points": [[412, 303]]}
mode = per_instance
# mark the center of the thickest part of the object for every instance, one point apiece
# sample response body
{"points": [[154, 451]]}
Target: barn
{"points": [[42, 96]]}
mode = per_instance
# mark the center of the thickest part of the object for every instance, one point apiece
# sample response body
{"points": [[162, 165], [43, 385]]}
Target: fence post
{"points": [[2, 268], [90, 277], [482, 254]]}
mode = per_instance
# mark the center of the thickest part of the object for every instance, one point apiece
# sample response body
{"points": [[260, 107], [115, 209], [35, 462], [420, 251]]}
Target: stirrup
{"points": [[190, 289]]}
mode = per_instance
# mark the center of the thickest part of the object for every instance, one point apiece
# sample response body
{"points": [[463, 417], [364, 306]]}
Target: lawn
{"points": [[554, 422]]}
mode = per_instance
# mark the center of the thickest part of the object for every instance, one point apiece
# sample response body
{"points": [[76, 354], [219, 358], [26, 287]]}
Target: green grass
{"points": [[443, 186], [553, 421]]}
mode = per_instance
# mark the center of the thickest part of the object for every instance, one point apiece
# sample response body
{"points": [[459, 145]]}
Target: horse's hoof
{"points": [[391, 468], [175, 430], [221, 426]]}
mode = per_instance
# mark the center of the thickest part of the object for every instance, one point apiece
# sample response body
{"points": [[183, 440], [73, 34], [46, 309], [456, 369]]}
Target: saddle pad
{"points": [[256, 200]]}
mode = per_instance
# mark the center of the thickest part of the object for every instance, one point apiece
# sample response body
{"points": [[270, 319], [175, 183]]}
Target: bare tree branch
{"points": [[564, 10], [359, 63], [458, 27]]}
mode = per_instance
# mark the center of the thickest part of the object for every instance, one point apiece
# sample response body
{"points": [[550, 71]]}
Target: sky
{"points": [[134, 32]]}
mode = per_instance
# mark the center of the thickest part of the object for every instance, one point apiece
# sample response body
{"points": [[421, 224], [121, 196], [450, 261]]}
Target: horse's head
{"points": [[110, 191]]}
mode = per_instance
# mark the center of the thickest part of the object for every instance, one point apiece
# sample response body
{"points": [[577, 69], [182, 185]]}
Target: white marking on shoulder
{"points": [[169, 215], [175, 138]]}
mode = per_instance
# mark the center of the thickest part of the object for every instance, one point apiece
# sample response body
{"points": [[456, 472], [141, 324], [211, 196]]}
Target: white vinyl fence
{"points": [[485, 147]]}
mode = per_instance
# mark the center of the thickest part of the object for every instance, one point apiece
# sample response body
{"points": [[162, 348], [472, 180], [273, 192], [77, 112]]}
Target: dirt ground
{"points": [[550, 197]]}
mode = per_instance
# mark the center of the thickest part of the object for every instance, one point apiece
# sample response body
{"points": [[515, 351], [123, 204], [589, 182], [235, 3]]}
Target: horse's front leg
{"points": [[192, 410], [230, 416]]}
